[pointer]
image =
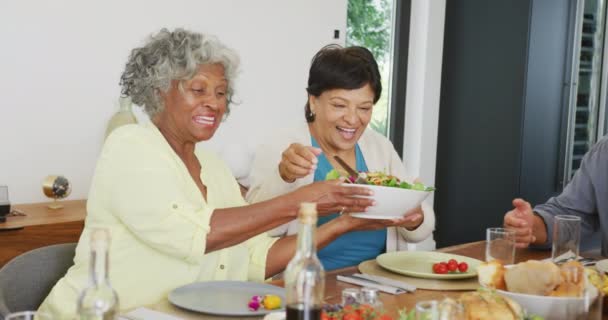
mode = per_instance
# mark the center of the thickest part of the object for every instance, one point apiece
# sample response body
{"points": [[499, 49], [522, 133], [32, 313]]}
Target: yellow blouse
{"points": [[158, 223]]}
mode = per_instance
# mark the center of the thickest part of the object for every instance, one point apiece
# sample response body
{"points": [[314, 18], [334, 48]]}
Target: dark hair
{"points": [[335, 67]]}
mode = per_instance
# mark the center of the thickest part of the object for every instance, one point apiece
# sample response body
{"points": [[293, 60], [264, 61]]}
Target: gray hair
{"points": [[173, 55]]}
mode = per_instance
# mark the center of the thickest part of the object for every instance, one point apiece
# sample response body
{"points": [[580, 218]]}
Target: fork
{"points": [[352, 172]]}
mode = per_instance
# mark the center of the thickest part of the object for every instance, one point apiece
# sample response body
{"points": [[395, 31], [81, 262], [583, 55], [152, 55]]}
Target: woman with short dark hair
{"points": [[343, 86]]}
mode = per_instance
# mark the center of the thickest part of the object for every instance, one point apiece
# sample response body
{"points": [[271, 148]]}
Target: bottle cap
{"points": [[308, 212]]}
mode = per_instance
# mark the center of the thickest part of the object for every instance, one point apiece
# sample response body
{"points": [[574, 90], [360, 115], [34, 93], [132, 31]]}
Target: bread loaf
{"points": [[491, 275], [573, 280], [533, 277], [488, 305]]}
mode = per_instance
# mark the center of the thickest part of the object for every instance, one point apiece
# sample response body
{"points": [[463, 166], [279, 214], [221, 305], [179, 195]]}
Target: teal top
{"points": [[351, 248]]}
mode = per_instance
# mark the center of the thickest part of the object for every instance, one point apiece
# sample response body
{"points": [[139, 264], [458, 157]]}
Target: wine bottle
{"points": [[98, 301], [304, 276]]}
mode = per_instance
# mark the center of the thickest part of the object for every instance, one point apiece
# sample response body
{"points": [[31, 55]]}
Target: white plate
{"points": [[224, 298], [276, 316], [372, 216], [391, 202], [419, 264]]}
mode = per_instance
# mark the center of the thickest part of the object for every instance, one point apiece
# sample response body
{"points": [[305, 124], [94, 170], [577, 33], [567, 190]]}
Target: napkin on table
{"points": [[147, 314], [366, 283]]}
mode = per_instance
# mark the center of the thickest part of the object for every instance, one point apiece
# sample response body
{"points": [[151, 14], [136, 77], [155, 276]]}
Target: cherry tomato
{"points": [[351, 316], [442, 269], [435, 267], [452, 265], [463, 267]]}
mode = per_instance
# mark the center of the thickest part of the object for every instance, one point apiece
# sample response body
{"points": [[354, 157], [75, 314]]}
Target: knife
{"points": [[361, 179], [371, 284], [385, 281]]}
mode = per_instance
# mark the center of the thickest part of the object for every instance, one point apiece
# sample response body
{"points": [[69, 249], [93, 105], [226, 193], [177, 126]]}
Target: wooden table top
{"points": [[40, 214], [392, 303]]}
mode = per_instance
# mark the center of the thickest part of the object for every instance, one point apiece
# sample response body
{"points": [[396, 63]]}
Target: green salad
{"points": [[381, 179]]}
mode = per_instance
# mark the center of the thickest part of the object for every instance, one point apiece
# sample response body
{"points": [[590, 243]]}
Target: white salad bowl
{"points": [[555, 307], [391, 202]]}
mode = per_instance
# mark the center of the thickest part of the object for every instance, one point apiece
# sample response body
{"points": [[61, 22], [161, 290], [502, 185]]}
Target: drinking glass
{"points": [[28, 315], [370, 297], [350, 296], [566, 237], [500, 245], [450, 309], [427, 310]]}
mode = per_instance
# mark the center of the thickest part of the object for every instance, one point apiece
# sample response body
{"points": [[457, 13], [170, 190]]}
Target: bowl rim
{"points": [[382, 187], [527, 295]]}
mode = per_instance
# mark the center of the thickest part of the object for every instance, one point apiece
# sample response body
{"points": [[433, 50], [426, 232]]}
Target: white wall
{"points": [[61, 61], [423, 92], [424, 88]]}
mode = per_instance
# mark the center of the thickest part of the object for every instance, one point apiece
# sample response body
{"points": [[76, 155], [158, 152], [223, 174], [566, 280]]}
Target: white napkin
{"points": [[147, 314], [387, 281], [365, 283], [564, 256]]}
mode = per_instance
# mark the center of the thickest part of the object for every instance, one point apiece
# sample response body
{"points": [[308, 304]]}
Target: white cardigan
{"points": [[380, 155]]}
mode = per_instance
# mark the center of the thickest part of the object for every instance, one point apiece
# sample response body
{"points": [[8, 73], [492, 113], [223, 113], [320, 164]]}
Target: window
{"points": [[370, 24]]}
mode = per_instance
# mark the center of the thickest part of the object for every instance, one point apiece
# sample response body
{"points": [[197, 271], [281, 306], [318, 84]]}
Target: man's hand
{"points": [[521, 220]]}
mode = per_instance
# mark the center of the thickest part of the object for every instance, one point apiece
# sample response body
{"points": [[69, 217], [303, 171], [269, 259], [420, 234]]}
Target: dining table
{"points": [[392, 303]]}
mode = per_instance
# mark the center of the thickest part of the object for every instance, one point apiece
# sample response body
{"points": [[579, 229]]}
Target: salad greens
{"points": [[381, 179]]}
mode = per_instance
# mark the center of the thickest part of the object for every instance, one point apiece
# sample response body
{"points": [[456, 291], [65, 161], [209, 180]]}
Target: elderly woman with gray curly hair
{"points": [[176, 214]]}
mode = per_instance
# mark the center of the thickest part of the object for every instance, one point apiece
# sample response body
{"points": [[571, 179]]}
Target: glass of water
{"points": [[566, 237], [427, 310], [500, 245]]}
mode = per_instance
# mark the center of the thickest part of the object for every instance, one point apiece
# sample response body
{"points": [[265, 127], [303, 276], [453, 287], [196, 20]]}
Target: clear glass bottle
{"points": [[304, 276], [99, 301]]}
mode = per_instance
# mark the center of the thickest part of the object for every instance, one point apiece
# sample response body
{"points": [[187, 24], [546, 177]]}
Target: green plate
{"points": [[419, 264]]}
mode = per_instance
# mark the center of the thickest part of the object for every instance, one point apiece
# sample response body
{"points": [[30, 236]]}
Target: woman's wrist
{"points": [[335, 227], [290, 204]]}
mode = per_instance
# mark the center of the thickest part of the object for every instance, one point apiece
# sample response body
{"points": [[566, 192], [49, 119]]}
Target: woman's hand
{"points": [[350, 223], [298, 161], [411, 220], [332, 197]]}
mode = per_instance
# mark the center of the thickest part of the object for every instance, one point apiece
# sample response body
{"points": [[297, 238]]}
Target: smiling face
{"points": [[193, 112], [341, 117]]}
